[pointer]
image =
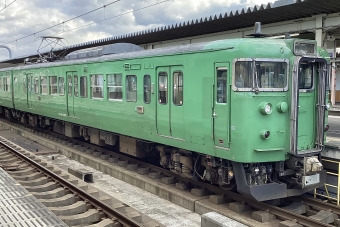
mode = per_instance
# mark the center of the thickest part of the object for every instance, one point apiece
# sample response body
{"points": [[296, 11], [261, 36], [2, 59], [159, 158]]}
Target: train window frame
{"points": [[131, 88], [43, 86], [162, 88], [255, 87], [83, 87], [113, 86], [53, 82], [175, 90], [61, 86], [97, 85], [147, 89]]}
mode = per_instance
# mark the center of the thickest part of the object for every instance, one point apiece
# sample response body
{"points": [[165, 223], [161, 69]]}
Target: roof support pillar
{"points": [[318, 32]]}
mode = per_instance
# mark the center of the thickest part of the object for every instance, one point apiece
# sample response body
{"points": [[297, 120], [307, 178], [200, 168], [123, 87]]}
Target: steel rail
{"points": [[318, 204], [281, 213], [111, 212]]}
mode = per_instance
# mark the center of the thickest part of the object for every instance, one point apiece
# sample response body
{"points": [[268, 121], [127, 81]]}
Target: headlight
{"points": [[265, 108], [282, 107], [265, 134]]}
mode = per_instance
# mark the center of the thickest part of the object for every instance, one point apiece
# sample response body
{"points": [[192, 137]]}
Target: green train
{"points": [[248, 112]]}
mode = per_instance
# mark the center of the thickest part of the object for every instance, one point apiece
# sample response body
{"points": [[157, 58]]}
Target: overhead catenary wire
{"points": [[6, 6], [61, 23], [99, 21]]}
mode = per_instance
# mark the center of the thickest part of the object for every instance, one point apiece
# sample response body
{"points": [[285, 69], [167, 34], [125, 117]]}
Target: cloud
{"points": [[24, 18]]}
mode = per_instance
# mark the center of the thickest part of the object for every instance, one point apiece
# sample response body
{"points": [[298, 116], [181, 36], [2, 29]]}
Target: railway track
{"points": [[301, 211], [71, 200]]}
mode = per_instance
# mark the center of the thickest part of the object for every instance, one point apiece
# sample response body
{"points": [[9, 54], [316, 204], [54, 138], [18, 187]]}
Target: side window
{"points": [[162, 87], [178, 88], [24, 88], [29, 84], [53, 85], [243, 74], [75, 84], [69, 84], [36, 85], [83, 87], [61, 86], [221, 89], [131, 88], [1, 84], [7, 83], [114, 87], [43, 85], [97, 86], [147, 88]]}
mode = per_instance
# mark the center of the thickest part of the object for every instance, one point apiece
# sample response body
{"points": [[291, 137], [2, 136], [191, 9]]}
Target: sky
{"points": [[22, 22]]}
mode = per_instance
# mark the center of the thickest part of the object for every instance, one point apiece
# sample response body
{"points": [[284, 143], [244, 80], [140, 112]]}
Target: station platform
{"points": [[335, 109], [20, 208]]}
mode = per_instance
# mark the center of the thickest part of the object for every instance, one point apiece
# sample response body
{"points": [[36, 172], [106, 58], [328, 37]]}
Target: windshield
{"points": [[262, 75]]}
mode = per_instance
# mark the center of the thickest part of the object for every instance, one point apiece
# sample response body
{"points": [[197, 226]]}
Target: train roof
{"points": [[188, 48]]}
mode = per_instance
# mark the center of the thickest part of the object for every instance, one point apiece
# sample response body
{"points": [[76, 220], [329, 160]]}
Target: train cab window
{"points": [[61, 86], [75, 85], [178, 88], [162, 87], [131, 88], [36, 85], [306, 76], [97, 86], [114, 87], [83, 87], [53, 85], [221, 91], [270, 74], [43, 85], [147, 89], [261, 75], [243, 74]]}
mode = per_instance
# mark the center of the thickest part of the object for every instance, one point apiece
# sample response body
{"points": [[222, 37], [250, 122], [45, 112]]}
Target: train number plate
{"points": [[313, 179]]}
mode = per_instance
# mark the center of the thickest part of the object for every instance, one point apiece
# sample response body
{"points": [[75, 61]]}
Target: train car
{"points": [[247, 112]]}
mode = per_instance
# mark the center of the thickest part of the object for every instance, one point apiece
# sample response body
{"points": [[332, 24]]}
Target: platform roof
{"points": [[279, 11]]}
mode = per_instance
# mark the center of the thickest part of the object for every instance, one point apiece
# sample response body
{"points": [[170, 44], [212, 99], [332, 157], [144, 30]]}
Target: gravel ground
{"points": [[157, 208]]}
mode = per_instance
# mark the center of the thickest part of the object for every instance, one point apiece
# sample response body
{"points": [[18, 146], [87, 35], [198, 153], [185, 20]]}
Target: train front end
{"points": [[279, 104]]}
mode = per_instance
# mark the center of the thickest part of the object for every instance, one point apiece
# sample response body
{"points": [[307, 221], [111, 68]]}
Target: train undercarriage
{"points": [[261, 181]]}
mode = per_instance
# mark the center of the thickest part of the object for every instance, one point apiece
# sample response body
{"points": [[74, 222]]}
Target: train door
{"points": [[72, 91], [306, 107], [30, 90], [310, 84], [221, 106], [170, 114], [308, 88]]}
